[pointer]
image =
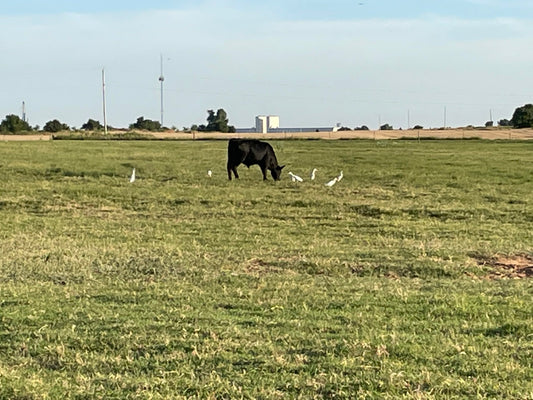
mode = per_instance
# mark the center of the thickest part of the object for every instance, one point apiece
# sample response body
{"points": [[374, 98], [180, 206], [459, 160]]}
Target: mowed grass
{"points": [[181, 286]]}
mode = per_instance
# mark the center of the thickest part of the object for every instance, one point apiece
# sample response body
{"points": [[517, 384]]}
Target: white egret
{"points": [[339, 178], [209, 173], [132, 178], [332, 182], [295, 178], [313, 173]]}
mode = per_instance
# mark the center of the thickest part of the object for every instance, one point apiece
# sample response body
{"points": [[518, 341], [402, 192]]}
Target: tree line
{"points": [[219, 122], [216, 122]]}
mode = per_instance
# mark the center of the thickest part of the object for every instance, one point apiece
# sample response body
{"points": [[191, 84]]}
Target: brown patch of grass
{"points": [[449, 133], [259, 266], [24, 138], [517, 266]]}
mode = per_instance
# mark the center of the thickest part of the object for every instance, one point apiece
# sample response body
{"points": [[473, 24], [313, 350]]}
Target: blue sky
{"points": [[293, 9], [313, 63]]}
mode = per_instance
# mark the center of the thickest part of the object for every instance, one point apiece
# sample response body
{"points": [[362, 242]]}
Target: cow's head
{"points": [[276, 172]]}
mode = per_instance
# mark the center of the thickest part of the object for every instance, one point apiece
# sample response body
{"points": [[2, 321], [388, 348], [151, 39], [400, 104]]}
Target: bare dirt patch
{"points": [[24, 138], [518, 266], [258, 266]]}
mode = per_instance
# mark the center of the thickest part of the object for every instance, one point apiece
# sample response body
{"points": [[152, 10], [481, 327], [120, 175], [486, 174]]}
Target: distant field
{"points": [[490, 134], [457, 133], [410, 278]]}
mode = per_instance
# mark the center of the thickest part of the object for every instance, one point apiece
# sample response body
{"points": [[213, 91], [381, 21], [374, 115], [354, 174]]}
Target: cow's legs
{"points": [[231, 168], [228, 167], [229, 174], [264, 171]]}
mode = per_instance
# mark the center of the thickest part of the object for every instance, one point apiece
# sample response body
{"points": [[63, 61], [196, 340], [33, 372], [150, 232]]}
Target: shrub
{"points": [[217, 122], [13, 124], [54, 126], [146, 125], [523, 117], [92, 125]]}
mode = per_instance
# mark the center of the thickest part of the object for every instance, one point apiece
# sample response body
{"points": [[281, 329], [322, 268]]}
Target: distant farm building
{"points": [[265, 123], [270, 124]]}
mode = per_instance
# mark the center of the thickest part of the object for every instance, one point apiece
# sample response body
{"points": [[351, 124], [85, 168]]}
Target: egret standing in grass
{"points": [[339, 178], [209, 173], [313, 174], [132, 178], [332, 182], [295, 178]]}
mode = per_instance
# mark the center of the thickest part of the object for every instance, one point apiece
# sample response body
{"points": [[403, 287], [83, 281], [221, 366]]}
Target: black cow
{"points": [[250, 152]]}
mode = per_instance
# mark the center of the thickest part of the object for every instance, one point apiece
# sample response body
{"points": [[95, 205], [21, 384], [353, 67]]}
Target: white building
{"points": [[270, 124], [273, 122], [261, 124], [265, 122]]}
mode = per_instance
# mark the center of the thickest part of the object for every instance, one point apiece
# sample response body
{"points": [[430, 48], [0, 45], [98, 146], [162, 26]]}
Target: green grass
{"points": [[181, 286]]}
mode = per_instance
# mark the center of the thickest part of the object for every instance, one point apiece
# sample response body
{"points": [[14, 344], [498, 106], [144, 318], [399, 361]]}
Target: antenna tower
{"points": [[161, 79], [104, 105]]}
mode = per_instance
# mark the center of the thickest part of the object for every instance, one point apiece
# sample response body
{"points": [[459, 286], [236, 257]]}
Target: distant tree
{"points": [[55, 126], [344, 128], [504, 122], [146, 125], [361, 128], [13, 124], [194, 127], [489, 124], [92, 125], [418, 127], [212, 120], [217, 122], [523, 117], [386, 127]]}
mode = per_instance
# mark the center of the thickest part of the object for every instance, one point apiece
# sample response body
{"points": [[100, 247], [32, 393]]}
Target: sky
{"points": [[315, 63]]}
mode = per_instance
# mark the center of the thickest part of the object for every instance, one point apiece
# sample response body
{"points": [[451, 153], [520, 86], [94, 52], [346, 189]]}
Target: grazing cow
{"points": [[250, 152]]}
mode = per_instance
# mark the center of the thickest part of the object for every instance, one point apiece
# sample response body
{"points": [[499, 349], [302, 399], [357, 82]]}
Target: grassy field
{"points": [[391, 284]]}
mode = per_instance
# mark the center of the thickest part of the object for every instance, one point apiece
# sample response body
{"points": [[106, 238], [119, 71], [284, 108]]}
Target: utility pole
{"points": [[24, 111], [161, 79], [445, 117], [103, 103]]}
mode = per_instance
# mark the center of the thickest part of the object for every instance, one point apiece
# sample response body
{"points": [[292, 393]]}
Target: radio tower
{"points": [[161, 79], [103, 101]]}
